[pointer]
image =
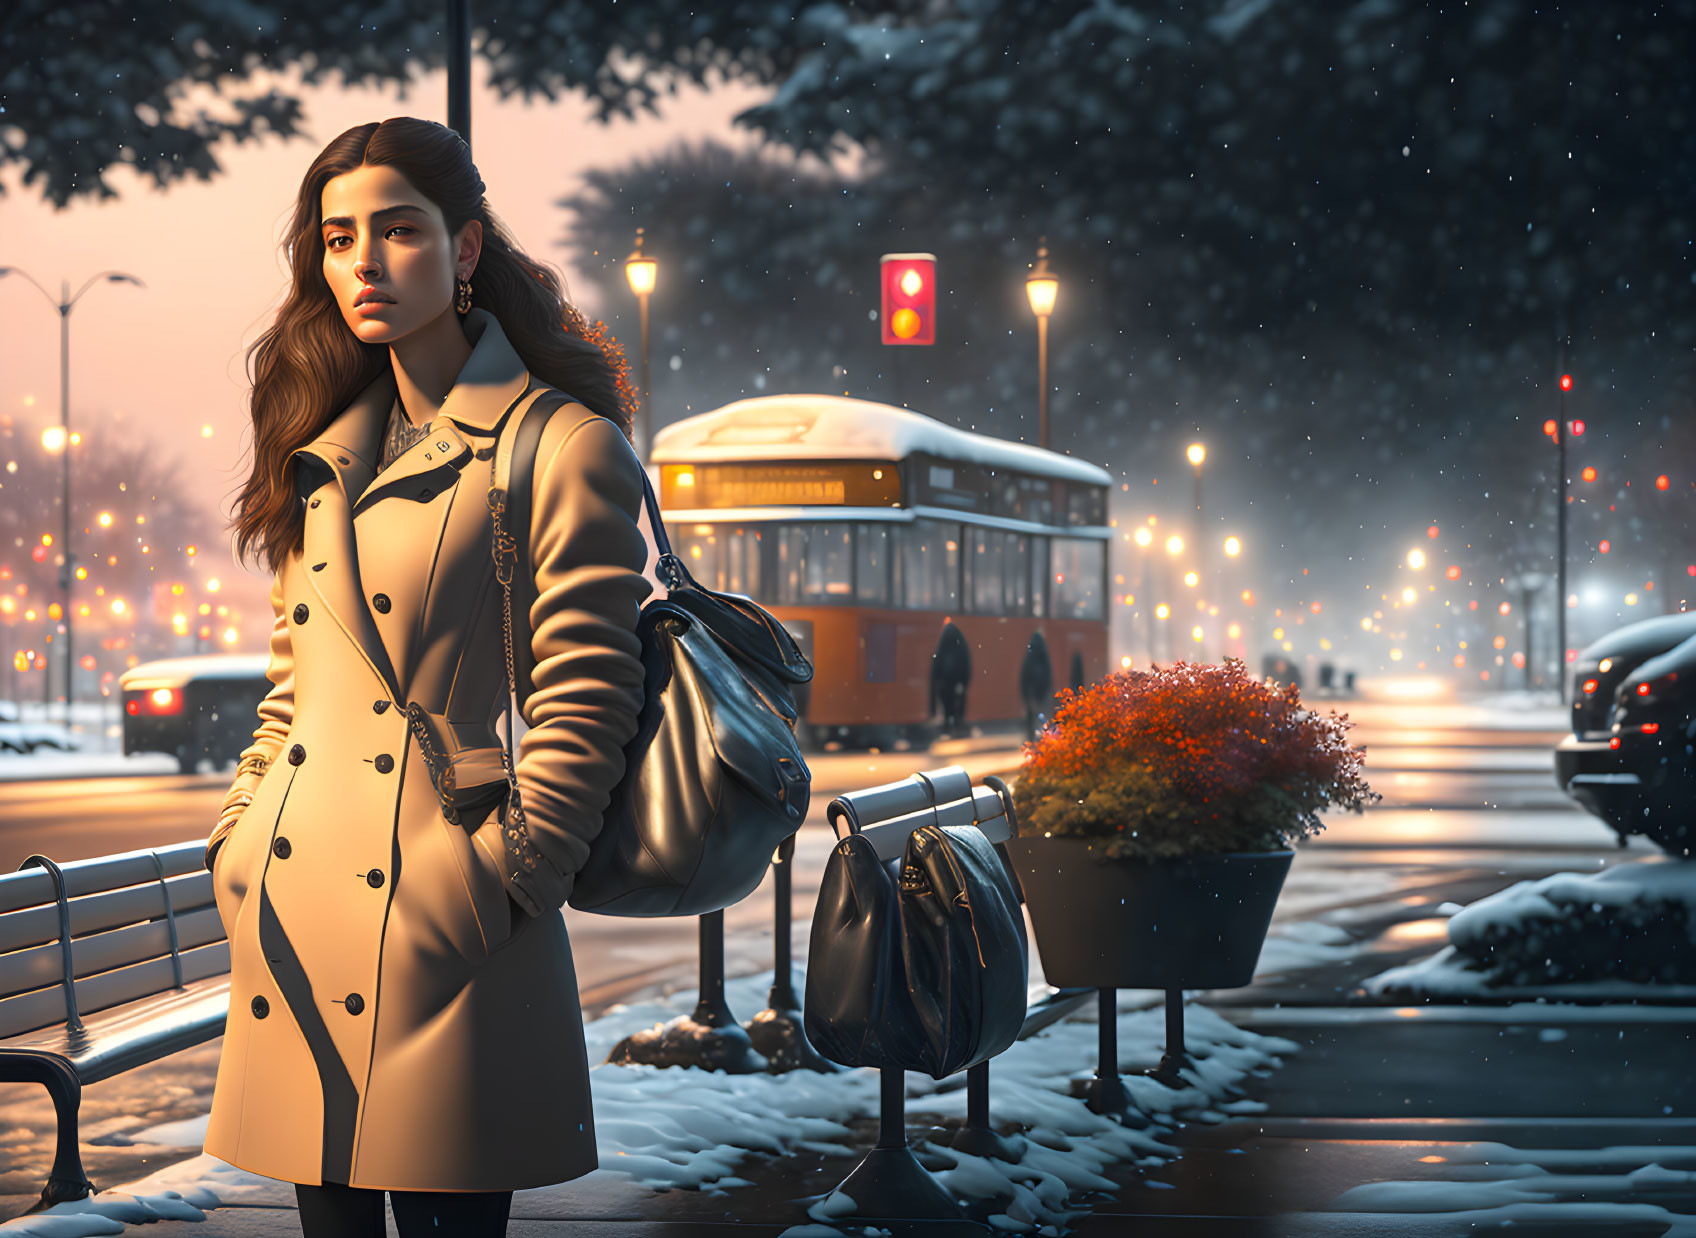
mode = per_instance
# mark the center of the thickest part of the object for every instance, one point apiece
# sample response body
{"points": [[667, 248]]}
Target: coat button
{"points": [[281, 848], [297, 755], [426, 495], [384, 762], [355, 1003], [381, 602], [261, 1007], [318, 567], [374, 878], [300, 613], [380, 706], [315, 502]]}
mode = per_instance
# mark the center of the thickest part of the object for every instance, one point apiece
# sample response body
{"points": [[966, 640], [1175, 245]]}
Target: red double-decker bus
{"points": [[935, 577]]}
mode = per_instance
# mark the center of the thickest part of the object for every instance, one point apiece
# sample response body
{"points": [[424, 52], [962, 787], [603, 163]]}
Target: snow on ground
{"points": [[1496, 1187], [661, 1129], [1619, 934], [42, 764]]}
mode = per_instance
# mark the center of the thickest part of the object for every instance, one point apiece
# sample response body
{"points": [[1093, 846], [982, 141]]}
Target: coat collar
{"points": [[493, 378], [490, 383]]}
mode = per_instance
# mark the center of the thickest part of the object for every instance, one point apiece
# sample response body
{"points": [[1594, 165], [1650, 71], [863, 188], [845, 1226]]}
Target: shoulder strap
{"points": [[511, 501]]}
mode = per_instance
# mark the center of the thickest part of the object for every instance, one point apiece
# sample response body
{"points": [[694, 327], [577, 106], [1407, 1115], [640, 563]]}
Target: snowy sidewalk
{"points": [[762, 1153]]}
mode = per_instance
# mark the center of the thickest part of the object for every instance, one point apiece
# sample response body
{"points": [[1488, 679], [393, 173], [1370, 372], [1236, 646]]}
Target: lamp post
{"points": [[1041, 286], [1174, 548], [64, 305], [1233, 546], [641, 270], [1144, 538], [1197, 453], [1565, 385]]}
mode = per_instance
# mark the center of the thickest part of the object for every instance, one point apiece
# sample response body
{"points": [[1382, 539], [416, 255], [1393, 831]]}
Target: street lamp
{"points": [[1197, 454], [1174, 548], [1144, 538], [64, 305], [1565, 386], [1041, 286], [641, 270]]}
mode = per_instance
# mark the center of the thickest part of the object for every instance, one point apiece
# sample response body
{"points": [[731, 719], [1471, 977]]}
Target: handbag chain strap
{"points": [[519, 848]]}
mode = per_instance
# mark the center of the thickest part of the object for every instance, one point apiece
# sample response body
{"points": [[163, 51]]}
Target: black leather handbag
{"points": [[714, 779], [916, 963]]}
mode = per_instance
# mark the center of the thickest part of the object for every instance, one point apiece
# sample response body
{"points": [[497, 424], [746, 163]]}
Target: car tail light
{"points": [[1649, 728], [154, 703], [1642, 689], [1614, 742], [1590, 685]]}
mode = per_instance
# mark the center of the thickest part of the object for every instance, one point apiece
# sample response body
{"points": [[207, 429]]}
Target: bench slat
{"points": [[39, 967], [94, 913], [133, 1035], [44, 1007], [33, 887]]}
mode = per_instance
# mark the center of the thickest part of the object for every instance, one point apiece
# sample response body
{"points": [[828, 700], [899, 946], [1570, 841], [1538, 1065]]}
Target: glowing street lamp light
{"points": [[1042, 287], [642, 272], [1416, 559], [1233, 547], [61, 442]]}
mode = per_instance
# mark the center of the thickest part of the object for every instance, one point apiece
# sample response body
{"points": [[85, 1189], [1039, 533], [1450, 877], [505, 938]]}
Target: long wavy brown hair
{"points": [[308, 366]]}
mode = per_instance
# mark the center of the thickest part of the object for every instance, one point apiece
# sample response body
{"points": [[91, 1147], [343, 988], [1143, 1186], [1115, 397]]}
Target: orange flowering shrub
{"points": [[1187, 759]]}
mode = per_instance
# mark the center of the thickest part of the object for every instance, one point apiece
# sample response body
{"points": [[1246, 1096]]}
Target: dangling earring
{"points": [[463, 304]]}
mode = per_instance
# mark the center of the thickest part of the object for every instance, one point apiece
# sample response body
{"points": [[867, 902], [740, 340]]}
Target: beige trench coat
{"points": [[403, 1005]]}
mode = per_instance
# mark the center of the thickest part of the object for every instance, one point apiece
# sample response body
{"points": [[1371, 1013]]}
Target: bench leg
{"points": [[889, 1183], [66, 1181]]}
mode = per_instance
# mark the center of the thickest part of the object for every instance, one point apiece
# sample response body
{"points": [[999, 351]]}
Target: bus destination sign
{"points": [[825, 483]]}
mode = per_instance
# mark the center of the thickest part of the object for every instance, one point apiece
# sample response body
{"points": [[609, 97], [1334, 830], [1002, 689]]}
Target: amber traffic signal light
{"points": [[909, 299]]}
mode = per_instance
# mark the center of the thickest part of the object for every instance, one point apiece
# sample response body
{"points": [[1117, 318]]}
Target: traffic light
{"points": [[909, 298]]}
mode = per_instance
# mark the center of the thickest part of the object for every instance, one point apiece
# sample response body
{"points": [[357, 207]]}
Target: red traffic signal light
{"points": [[1577, 429], [1550, 428], [1566, 382], [909, 298]]}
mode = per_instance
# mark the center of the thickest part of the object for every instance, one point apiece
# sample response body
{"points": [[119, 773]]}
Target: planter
{"points": [[1192, 923]]}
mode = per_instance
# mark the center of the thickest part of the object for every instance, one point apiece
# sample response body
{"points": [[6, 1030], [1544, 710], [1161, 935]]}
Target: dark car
{"points": [[194, 708], [1629, 758]]}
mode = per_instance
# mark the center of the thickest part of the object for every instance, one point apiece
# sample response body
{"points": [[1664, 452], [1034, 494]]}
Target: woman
{"points": [[403, 1006]]}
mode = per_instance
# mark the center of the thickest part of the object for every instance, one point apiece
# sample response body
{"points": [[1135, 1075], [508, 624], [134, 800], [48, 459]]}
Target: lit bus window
{"points": [[814, 562], [988, 572], [871, 564], [1075, 579], [1039, 577], [725, 558], [928, 565], [1016, 572]]}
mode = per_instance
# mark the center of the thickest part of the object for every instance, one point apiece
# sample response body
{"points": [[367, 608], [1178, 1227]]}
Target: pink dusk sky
{"points": [[168, 362]]}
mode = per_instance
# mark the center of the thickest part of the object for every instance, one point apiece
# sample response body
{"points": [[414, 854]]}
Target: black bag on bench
{"points": [[920, 963]]}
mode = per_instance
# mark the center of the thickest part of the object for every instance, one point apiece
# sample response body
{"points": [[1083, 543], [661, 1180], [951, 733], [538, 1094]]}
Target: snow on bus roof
{"points": [[830, 427]]}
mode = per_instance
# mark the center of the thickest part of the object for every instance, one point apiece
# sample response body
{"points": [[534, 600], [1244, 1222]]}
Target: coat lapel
{"points": [[330, 472], [337, 478], [423, 470]]}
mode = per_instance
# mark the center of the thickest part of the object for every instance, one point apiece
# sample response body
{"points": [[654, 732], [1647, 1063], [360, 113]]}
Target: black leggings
{"points": [[337, 1211]]}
